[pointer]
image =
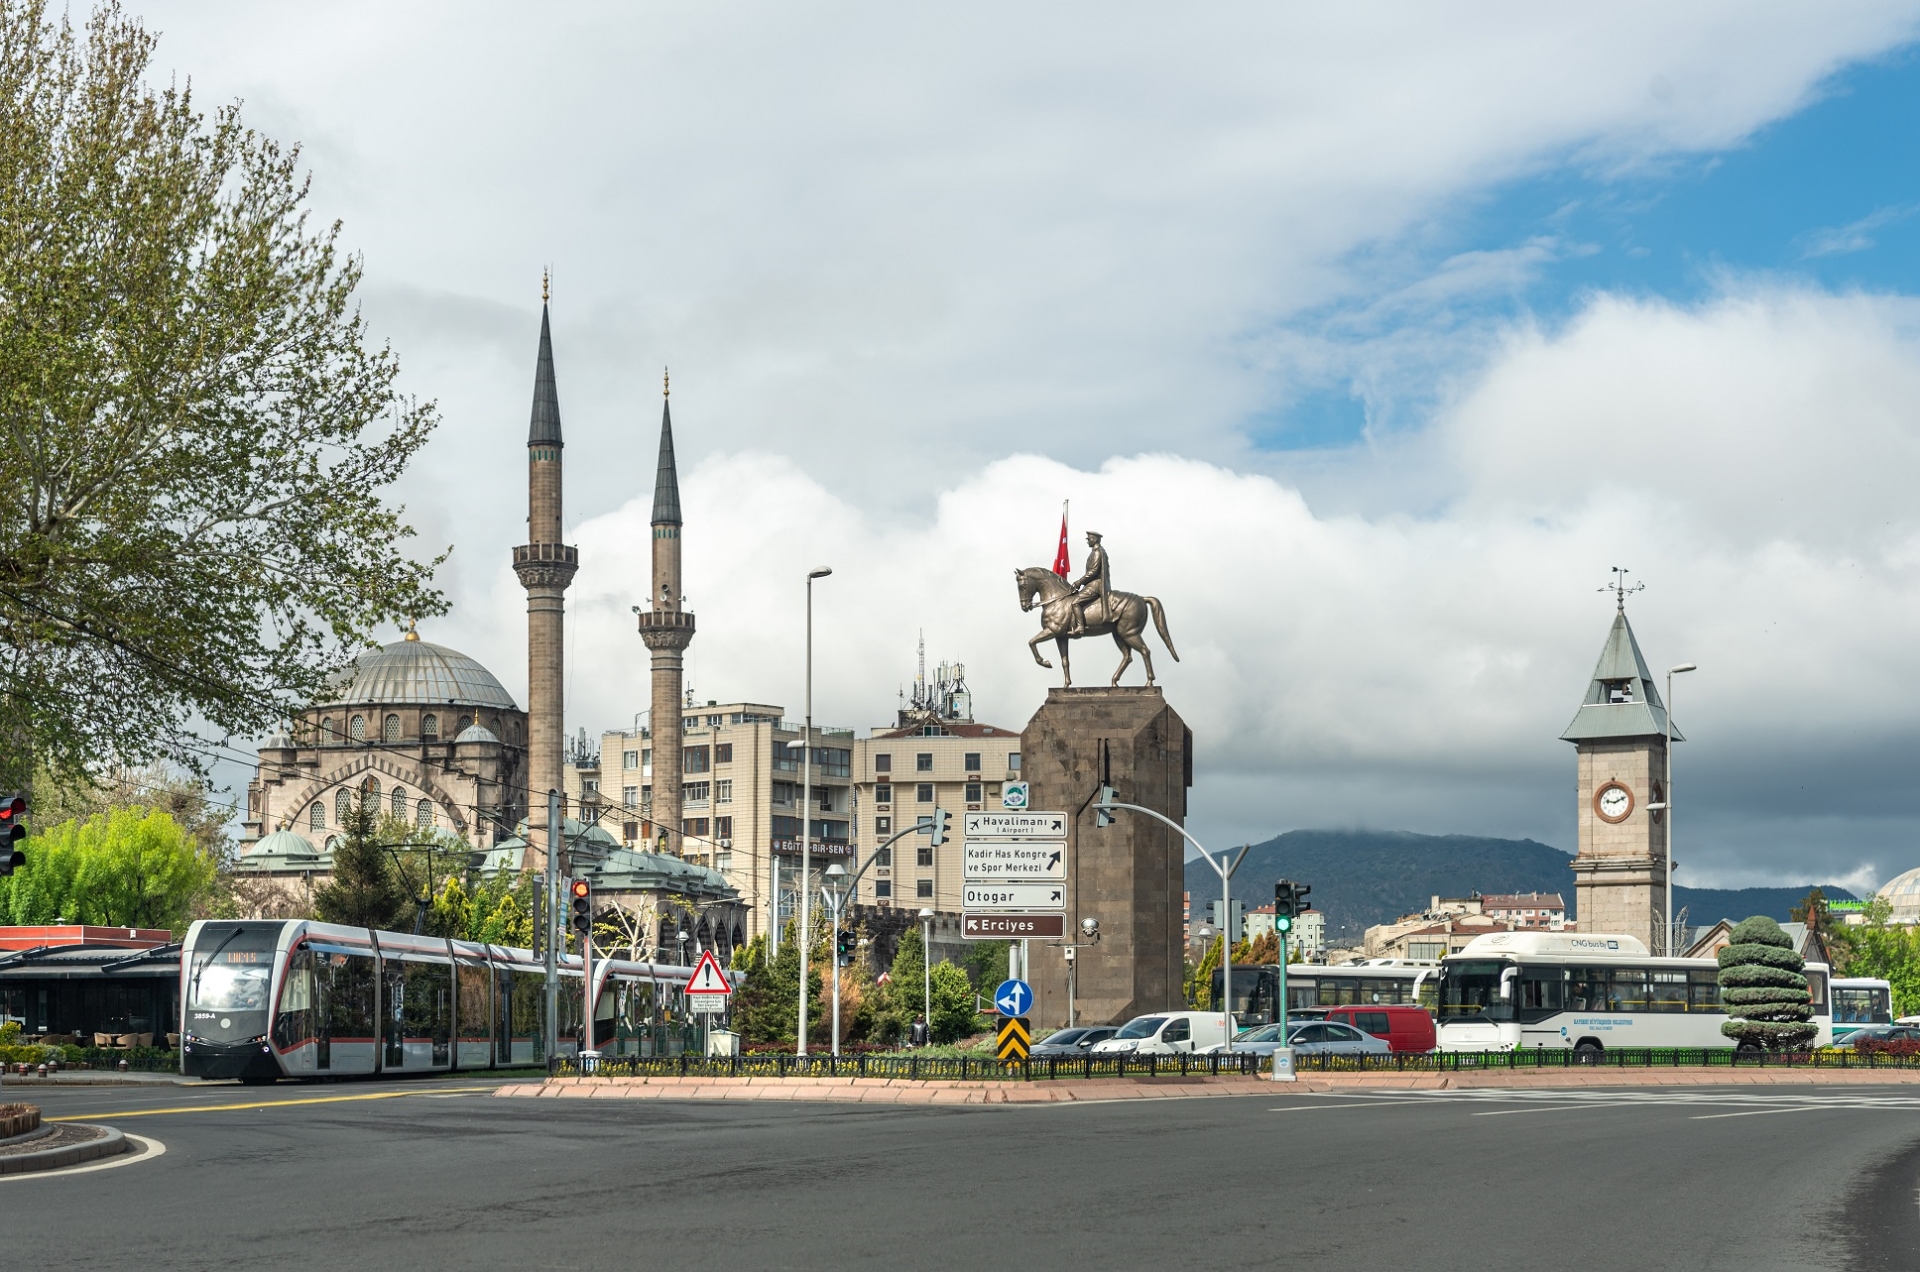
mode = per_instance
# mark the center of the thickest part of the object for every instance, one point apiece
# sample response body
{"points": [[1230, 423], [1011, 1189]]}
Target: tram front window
{"points": [[232, 970], [1469, 989]]}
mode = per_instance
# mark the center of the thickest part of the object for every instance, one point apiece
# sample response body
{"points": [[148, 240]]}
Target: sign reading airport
{"points": [[1015, 825]]}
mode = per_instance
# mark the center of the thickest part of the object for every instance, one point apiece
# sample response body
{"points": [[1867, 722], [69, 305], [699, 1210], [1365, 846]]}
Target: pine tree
{"points": [[1762, 984], [365, 890], [953, 1014]]}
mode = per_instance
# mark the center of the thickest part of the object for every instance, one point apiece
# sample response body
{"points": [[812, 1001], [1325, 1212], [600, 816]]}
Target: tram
{"points": [[268, 999], [1311, 985]]}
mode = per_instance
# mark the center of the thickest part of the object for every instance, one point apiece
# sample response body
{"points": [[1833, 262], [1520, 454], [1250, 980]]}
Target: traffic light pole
{"points": [[555, 831]]}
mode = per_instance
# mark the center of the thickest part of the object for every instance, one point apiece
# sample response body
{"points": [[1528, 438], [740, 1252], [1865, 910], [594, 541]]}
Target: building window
{"points": [[883, 794], [333, 842], [883, 888], [786, 793], [423, 814], [694, 759], [883, 764], [461, 725], [357, 729], [825, 794], [923, 762], [398, 807], [342, 805], [390, 729], [923, 888], [371, 787], [629, 831], [723, 827], [589, 786], [723, 791], [429, 728], [630, 759], [646, 762], [723, 753], [883, 859], [695, 792], [317, 816], [714, 721], [695, 826], [883, 825], [923, 856], [834, 761], [973, 792], [786, 757], [629, 795], [326, 729], [924, 792], [973, 761], [1013, 761]]}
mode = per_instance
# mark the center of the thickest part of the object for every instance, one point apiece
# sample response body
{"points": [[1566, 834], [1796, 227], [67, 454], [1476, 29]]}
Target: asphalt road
{"points": [[430, 1175]]}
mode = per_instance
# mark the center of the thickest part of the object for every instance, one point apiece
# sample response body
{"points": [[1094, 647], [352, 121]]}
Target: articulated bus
{"points": [[1508, 990], [1370, 981], [1857, 1001], [269, 999]]}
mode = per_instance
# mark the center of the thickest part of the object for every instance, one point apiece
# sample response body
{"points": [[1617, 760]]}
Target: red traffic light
{"points": [[12, 807], [581, 888]]}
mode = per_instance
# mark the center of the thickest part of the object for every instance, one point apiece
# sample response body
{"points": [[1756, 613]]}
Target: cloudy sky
{"points": [[1371, 337]]}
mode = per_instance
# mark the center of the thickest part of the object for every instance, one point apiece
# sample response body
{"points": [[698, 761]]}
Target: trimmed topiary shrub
{"points": [[1762, 984]]}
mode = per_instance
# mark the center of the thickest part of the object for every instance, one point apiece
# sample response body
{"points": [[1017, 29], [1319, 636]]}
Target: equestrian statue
{"points": [[1089, 606]]}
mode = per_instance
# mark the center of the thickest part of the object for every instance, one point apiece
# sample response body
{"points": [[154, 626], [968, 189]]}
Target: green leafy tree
{"points": [[129, 868], [902, 997], [1891, 954], [197, 432], [766, 1009], [1762, 984], [953, 1013], [501, 911], [366, 890]]}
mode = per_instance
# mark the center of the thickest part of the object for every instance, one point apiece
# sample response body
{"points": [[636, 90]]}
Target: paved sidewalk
{"points": [[95, 1077], [1084, 1090]]}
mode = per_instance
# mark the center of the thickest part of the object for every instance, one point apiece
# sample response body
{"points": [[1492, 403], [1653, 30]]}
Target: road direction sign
{"points": [[1014, 1038], [1015, 825], [708, 978], [989, 895], [1011, 927], [1013, 997], [1007, 860]]}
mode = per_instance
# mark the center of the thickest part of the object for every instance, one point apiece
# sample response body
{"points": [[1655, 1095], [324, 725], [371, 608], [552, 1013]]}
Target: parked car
{"points": [[1072, 1042], [1867, 1037], [1166, 1033], [1406, 1029], [1313, 1038]]}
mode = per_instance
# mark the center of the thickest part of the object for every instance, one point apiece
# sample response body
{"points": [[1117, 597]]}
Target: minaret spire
{"points": [[667, 630], [546, 567]]}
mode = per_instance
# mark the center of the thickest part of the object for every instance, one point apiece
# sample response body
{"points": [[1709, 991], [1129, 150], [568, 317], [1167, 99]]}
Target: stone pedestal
{"points": [[1130, 875]]}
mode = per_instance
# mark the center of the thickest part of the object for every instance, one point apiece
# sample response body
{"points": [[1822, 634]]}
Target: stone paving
{"points": [[1083, 1090]]}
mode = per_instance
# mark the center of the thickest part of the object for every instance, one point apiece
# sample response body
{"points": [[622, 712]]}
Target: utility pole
{"points": [[555, 831], [806, 817]]}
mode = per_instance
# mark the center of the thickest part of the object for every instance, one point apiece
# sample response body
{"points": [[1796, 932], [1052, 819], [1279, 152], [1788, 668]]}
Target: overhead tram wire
{"points": [[397, 749]]}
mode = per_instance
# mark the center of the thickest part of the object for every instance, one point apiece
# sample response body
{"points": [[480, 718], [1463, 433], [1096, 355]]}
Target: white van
{"points": [[1167, 1033]]}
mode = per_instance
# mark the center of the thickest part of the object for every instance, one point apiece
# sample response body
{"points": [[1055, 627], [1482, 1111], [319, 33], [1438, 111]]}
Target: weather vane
{"points": [[1620, 589]]}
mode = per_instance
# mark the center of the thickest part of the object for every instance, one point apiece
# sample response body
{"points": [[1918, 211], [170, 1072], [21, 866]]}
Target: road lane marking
{"points": [[1805, 1108], [1344, 1104], [1563, 1108], [150, 1148], [263, 1104]]}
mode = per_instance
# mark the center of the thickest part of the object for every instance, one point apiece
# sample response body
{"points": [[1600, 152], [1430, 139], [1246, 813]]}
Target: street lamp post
{"points": [[1666, 798], [834, 894], [806, 815], [926, 969]]}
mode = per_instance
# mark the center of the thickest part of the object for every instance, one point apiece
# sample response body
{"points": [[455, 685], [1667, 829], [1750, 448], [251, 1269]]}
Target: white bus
{"points": [[1860, 1000], [1509, 990]]}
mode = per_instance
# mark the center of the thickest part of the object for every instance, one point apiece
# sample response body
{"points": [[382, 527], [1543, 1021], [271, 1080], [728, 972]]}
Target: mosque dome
{"points": [[418, 671], [476, 733], [1903, 894], [281, 850]]}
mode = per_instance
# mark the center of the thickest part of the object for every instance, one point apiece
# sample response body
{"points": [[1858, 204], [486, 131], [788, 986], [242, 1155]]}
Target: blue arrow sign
{"points": [[1013, 997]]}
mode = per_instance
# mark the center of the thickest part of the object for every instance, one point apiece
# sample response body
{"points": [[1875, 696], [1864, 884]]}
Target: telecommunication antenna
{"points": [[1620, 589]]}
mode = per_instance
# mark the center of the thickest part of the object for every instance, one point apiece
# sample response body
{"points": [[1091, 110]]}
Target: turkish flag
{"points": [[1061, 565]]}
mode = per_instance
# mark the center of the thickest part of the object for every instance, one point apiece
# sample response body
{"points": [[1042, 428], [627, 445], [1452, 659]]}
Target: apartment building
{"points": [[903, 773]]}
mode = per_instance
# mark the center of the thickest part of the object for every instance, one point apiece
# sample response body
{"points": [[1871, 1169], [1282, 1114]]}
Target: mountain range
{"points": [[1363, 877]]}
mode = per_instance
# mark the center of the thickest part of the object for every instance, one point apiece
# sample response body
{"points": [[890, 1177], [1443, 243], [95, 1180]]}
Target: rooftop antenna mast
{"points": [[1620, 589]]}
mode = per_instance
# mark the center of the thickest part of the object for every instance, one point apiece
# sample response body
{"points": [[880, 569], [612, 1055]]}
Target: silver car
{"points": [[1077, 1041], [1310, 1038]]}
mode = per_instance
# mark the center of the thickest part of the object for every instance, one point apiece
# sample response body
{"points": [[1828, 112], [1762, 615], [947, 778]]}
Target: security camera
{"points": [[1090, 926]]}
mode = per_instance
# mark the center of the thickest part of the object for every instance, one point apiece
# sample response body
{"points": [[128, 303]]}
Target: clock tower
{"points": [[1620, 737]]}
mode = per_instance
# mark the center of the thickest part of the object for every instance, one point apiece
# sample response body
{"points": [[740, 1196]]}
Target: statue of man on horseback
{"points": [[1090, 607]]}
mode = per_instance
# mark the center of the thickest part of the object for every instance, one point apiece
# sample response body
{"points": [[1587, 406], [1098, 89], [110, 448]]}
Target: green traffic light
{"points": [[1283, 924]]}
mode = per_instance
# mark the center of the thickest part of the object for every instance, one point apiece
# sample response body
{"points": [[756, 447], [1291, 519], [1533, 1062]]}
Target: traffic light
{"points": [[13, 829], [1283, 902], [580, 894], [1103, 807], [938, 827], [843, 946]]}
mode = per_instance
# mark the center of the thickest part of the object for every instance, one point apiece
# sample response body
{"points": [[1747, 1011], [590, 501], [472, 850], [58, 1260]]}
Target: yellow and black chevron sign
{"points": [[1016, 1038]]}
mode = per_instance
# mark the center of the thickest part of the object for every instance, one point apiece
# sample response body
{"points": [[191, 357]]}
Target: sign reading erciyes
{"points": [[1012, 860]]}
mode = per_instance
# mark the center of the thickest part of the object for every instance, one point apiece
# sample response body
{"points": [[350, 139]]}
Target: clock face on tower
{"points": [[1613, 802]]}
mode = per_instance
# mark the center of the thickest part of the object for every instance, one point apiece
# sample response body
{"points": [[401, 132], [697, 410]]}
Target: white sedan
{"points": [[1310, 1038]]}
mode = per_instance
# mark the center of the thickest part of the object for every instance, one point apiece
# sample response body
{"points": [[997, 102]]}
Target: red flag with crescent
{"points": [[1061, 565]]}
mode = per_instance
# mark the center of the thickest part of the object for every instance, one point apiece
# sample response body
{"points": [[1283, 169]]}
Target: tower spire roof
{"points": [[1622, 700], [545, 428], [666, 483]]}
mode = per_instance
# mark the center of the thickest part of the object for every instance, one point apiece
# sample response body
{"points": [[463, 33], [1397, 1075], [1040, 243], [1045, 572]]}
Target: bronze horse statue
{"points": [[1121, 615]]}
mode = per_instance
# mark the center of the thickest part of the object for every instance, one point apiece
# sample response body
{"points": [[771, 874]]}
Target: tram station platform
{"points": [[848, 1090]]}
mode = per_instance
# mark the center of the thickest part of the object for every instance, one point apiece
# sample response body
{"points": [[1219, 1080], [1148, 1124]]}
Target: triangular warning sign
{"points": [[708, 978]]}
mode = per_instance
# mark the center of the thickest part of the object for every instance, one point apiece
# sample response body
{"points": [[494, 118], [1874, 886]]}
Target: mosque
{"points": [[440, 743]]}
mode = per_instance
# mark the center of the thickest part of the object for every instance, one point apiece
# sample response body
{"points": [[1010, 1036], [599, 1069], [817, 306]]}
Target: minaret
{"points": [[545, 566], [668, 630], [1620, 733]]}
